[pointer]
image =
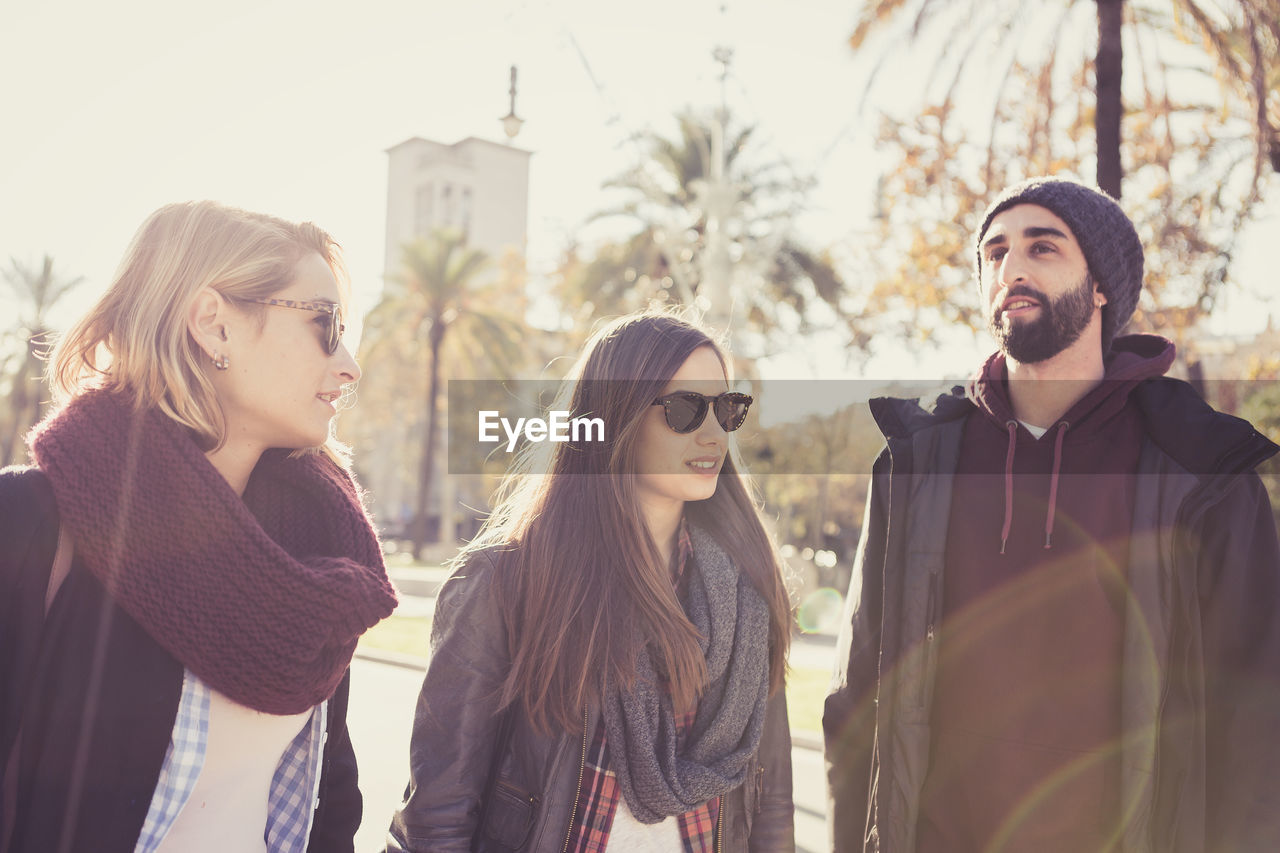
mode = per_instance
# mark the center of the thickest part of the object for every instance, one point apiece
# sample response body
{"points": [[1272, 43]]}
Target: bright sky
{"points": [[113, 109]]}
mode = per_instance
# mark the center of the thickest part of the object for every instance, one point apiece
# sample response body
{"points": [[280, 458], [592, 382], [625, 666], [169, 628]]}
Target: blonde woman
{"points": [[184, 685]]}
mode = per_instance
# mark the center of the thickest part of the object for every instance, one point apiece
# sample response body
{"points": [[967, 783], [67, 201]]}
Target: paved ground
{"points": [[381, 718]]}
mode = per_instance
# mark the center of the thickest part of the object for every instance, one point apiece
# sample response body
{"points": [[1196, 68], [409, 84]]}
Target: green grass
{"points": [[411, 635], [806, 691]]}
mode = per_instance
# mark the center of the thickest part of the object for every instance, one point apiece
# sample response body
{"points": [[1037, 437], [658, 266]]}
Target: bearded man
{"points": [[1061, 632]]}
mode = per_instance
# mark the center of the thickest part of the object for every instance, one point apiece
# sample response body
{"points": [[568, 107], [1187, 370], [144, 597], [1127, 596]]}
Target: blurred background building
{"points": [[479, 187]]}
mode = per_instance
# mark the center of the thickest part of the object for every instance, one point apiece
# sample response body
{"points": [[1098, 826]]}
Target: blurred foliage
{"points": [[813, 475], [1261, 405], [666, 196], [449, 313], [24, 344], [1236, 43], [1196, 166]]}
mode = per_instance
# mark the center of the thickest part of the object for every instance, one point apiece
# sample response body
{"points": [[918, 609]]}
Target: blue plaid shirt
{"points": [[294, 787]]}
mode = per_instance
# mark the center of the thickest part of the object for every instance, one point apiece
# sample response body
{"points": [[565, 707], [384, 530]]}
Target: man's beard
{"points": [[1060, 324]]}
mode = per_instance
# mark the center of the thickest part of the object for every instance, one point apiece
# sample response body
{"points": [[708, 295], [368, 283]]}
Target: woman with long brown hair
{"points": [[609, 653]]}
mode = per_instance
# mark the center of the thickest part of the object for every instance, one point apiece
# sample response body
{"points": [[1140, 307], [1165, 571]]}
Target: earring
{"points": [[220, 361]]}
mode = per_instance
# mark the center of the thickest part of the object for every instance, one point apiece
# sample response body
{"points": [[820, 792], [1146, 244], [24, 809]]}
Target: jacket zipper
{"points": [[516, 793], [759, 788], [931, 606], [1182, 521], [930, 632], [720, 826], [582, 769]]}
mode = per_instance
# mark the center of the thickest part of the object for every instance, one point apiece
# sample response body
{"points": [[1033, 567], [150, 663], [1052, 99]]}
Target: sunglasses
{"points": [[686, 410], [333, 327]]}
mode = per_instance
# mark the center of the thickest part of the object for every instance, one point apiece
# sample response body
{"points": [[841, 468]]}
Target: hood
{"points": [[1199, 438], [1204, 441], [899, 417], [1133, 358]]}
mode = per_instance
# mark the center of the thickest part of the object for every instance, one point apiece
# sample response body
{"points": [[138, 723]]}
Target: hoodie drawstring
{"points": [[1012, 426], [1008, 484], [1053, 485]]}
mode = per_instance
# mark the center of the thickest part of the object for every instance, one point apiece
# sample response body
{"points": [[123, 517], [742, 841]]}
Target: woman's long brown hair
{"points": [[581, 570]]}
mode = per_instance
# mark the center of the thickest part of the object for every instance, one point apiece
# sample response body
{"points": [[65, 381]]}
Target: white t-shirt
{"points": [[227, 809], [1036, 432], [628, 835]]}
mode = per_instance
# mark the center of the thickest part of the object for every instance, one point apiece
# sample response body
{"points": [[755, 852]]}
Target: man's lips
{"points": [[1017, 305]]}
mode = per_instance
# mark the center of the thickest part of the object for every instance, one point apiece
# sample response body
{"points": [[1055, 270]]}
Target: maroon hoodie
{"points": [[1026, 713]]}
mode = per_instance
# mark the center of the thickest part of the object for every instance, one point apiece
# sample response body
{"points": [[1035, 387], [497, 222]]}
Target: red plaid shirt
{"points": [[599, 795]]}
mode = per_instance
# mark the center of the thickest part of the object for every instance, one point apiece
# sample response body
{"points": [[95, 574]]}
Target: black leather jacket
{"points": [[456, 731]]}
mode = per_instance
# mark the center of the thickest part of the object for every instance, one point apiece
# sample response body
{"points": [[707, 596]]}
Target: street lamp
{"points": [[511, 122]]}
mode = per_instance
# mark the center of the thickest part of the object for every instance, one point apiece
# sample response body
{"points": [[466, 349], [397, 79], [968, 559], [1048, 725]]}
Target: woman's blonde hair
{"points": [[135, 339]]}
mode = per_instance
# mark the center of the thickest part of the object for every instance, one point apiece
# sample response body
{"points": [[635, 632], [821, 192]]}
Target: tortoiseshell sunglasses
{"points": [[333, 328], [686, 410]]}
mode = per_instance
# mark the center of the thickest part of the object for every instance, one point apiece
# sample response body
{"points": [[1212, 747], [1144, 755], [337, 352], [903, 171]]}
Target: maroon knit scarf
{"points": [[261, 597]]}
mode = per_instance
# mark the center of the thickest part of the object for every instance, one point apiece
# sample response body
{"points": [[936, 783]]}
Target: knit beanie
{"points": [[1110, 243]]}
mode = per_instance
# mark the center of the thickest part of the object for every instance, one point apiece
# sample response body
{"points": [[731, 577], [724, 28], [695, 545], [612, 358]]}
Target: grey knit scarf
{"points": [[657, 779]]}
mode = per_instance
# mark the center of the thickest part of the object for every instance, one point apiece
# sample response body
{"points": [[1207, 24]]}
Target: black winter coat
{"points": [[96, 700], [1200, 693]]}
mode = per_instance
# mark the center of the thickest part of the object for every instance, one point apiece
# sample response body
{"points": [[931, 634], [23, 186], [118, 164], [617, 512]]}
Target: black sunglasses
{"points": [[686, 410], [333, 327]]}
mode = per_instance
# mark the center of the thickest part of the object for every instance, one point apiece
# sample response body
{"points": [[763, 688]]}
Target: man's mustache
{"points": [[1023, 290]]}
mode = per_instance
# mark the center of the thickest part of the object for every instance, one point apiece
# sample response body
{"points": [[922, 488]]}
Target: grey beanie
{"points": [[1105, 234]]}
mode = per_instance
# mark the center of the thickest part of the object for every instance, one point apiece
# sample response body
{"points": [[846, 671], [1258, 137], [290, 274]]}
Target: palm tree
{"points": [[445, 291], [38, 291], [1240, 38], [672, 194], [1108, 71]]}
